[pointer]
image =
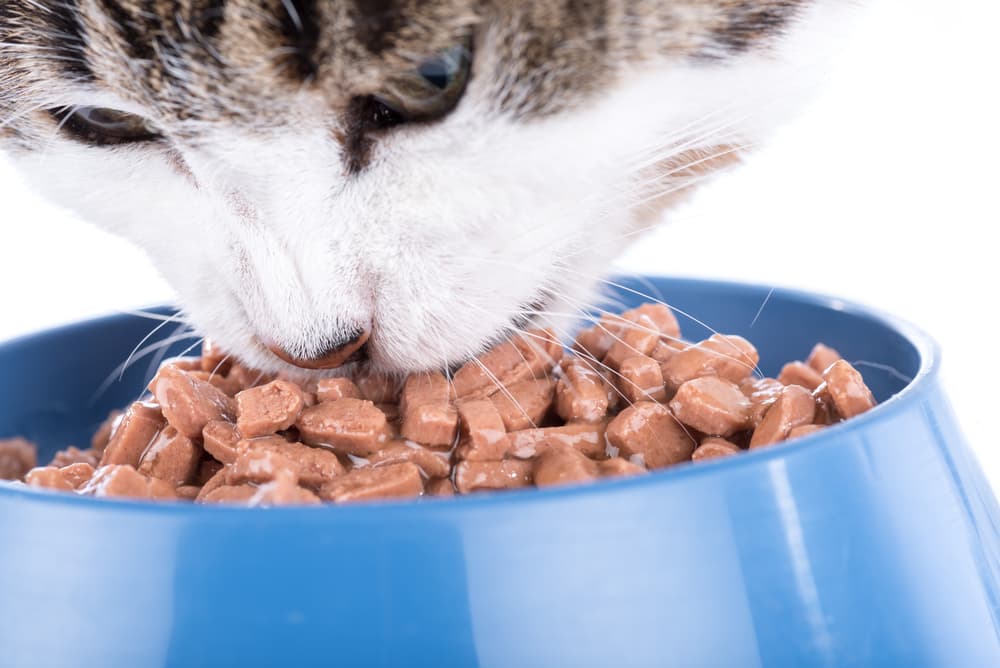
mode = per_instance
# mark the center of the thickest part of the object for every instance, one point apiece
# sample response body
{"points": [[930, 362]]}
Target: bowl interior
{"points": [[57, 386]]}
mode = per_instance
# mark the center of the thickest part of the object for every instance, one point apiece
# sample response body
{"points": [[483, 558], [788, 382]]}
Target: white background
{"points": [[883, 191]]}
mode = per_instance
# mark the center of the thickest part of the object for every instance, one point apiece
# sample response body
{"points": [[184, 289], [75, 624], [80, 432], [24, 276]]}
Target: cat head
{"points": [[426, 174]]}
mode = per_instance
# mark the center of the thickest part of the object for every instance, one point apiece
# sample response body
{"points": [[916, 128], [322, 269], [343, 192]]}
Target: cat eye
{"points": [[430, 91], [104, 127]]}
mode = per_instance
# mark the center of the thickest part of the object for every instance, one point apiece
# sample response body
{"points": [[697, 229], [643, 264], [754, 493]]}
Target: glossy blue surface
{"points": [[872, 543]]}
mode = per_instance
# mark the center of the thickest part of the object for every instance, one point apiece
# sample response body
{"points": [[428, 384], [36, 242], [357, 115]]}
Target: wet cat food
{"points": [[630, 396], [17, 457]]}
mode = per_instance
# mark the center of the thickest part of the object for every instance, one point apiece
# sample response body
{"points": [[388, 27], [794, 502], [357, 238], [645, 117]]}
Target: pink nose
{"points": [[337, 354]]}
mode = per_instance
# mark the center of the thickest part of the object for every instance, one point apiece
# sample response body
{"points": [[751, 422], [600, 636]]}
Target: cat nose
{"points": [[339, 351]]}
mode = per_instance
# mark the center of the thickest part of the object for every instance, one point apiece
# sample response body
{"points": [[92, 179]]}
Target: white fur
{"points": [[442, 238]]}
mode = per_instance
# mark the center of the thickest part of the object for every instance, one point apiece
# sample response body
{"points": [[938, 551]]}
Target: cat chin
{"points": [[447, 237]]}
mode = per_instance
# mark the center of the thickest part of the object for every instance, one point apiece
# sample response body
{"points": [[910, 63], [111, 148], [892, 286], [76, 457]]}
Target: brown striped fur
{"points": [[239, 60]]}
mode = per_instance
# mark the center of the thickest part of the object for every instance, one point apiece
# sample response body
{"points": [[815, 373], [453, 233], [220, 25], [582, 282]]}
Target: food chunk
{"points": [[483, 434], [350, 426], [141, 423], [847, 388], [525, 404], [171, 457], [394, 481], [647, 434], [631, 398], [714, 448], [712, 406], [122, 480], [731, 358], [189, 403], [17, 457], [794, 407], [471, 476], [581, 393], [269, 408]]}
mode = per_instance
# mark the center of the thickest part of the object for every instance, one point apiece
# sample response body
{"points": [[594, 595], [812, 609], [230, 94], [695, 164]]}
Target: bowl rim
{"points": [[922, 383]]}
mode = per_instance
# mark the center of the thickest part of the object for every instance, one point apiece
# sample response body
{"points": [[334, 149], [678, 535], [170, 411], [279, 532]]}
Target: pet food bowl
{"points": [[874, 542]]}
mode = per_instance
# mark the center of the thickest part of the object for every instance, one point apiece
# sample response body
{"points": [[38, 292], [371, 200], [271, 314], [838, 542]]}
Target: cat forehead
{"points": [[210, 59], [235, 56]]}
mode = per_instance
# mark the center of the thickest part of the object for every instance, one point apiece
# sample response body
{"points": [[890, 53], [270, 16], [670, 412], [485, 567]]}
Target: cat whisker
{"points": [[218, 366], [119, 370], [503, 389], [157, 359], [891, 370], [741, 356], [667, 150], [151, 333], [149, 315], [590, 357]]}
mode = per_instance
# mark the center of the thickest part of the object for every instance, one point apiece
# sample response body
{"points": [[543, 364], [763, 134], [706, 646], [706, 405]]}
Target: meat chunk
{"points": [[647, 434], [428, 417], [714, 448], [189, 403], [269, 408], [712, 406], [847, 388], [585, 437], [171, 457], [17, 457], [562, 466], [331, 389], [794, 407], [350, 426], [822, 357], [641, 379], [471, 476], [483, 434], [393, 481], [220, 439], [525, 404], [581, 393], [531, 355], [732, 358], [283, 490], [261, 459], [141, 424], [798, 373], [124, 481], [432, 464]]}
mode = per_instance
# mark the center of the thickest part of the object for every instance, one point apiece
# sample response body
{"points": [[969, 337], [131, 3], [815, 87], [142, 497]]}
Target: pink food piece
{"points": [[269, 408], [189, 403], [350, 426], [647, 434], [141, 424], [393, 481]]}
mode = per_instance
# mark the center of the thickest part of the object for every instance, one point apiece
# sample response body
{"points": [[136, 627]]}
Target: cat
{"points": [[398, 183]]}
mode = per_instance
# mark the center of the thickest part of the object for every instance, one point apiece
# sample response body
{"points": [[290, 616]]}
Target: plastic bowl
{"points": [[874, 542]]}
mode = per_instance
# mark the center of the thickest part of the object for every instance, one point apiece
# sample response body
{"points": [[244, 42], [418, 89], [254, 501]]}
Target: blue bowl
{"points": [[874, 542]]}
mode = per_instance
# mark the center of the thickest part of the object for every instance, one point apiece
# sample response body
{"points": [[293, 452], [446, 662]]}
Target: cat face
{"points": [[432, 173]]}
